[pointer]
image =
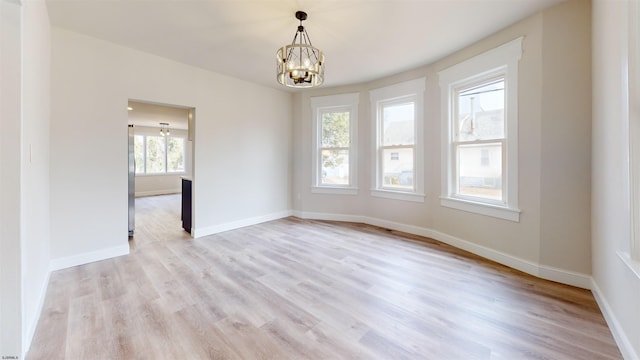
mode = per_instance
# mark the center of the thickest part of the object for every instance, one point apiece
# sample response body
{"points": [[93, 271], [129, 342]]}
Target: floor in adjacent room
{"points": [[300, 289]]}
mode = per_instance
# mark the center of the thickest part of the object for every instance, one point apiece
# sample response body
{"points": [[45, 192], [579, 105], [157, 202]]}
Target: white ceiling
{"points": [[362, 39]]}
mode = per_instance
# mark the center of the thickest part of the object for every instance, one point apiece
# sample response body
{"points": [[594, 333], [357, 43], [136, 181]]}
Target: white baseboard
{"points": [[27, 335], [158, 192], [214, 229], [564, 276], [81, 259], [330, 217], [529, 267], [628, 353]]}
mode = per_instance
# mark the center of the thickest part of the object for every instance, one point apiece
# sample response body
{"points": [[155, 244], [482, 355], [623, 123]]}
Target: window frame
{"points": [[166, 155], [632, 258], [319, 106], [408, 91], [498, 62]]}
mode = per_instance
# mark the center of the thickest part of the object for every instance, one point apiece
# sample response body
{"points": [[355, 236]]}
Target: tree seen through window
{"points": [[335, 148]]}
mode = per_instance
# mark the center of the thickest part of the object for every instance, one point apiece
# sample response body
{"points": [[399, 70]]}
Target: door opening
{"points": [[160, 149]]}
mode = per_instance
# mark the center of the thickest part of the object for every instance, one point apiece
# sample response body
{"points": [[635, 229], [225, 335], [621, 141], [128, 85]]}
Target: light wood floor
{"points": [[298, 289]]}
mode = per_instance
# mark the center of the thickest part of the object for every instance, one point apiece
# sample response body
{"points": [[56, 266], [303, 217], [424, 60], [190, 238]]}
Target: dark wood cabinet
{"points": [[186, 204]]}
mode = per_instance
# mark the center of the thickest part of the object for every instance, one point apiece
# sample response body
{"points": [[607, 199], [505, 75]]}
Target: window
{"points": [[155, 155], [398, 113], [138, 153], [479, 133], [175, 154], [159, 154], [478, 137], [334, 143]]}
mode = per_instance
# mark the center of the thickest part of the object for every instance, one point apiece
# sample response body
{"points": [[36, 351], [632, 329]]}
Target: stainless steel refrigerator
{"points": [[132, 183]]}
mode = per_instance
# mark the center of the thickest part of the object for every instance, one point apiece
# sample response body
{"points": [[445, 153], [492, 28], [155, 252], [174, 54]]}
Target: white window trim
{"points": [[415, 89], [632, 259], [348, 102], [502, 60]]}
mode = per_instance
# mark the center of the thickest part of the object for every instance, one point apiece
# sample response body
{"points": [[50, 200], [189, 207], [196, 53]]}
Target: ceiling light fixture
{"points": [[164, 129], [300, 65]]}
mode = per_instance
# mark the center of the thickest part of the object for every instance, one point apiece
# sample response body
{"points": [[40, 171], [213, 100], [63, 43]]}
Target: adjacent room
{"points": [[425, 180]]}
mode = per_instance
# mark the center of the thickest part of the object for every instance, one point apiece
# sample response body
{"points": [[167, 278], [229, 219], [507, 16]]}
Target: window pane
{"points": [[480, 113], [480, 170], [335, 129], [138, 153], [397, 173], [397, 121], [155, 154], [175, 154], [335, 167]]}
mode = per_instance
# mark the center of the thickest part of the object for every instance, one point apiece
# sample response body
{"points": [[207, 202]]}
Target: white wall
{"points": [[617, 287], [24, 178], [35, 229], [552, 238], [242, 144], [10, 282]]}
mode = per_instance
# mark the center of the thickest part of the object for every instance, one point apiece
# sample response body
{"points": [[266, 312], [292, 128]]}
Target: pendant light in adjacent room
{"points": [[164, 129]]}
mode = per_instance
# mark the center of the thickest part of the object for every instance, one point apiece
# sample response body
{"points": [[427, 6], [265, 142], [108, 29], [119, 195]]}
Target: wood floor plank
{"points": [[55, 316], [304, 289], [200, 328], [250, 342]]}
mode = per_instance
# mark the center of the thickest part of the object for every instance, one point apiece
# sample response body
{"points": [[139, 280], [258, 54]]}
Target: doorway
{"points": [[161, 148]]}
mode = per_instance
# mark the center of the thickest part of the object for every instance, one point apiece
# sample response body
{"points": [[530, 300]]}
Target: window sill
{"points": [[634, 265], [334, 190], [397, 195], [482, 209], [181, 173]]}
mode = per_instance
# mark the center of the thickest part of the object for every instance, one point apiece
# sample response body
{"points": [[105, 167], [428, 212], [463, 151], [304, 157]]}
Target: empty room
{"points": [[439, 179]]}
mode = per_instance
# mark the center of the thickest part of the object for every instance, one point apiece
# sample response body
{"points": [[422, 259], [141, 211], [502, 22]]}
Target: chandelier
{"points": [[300, 65]]}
